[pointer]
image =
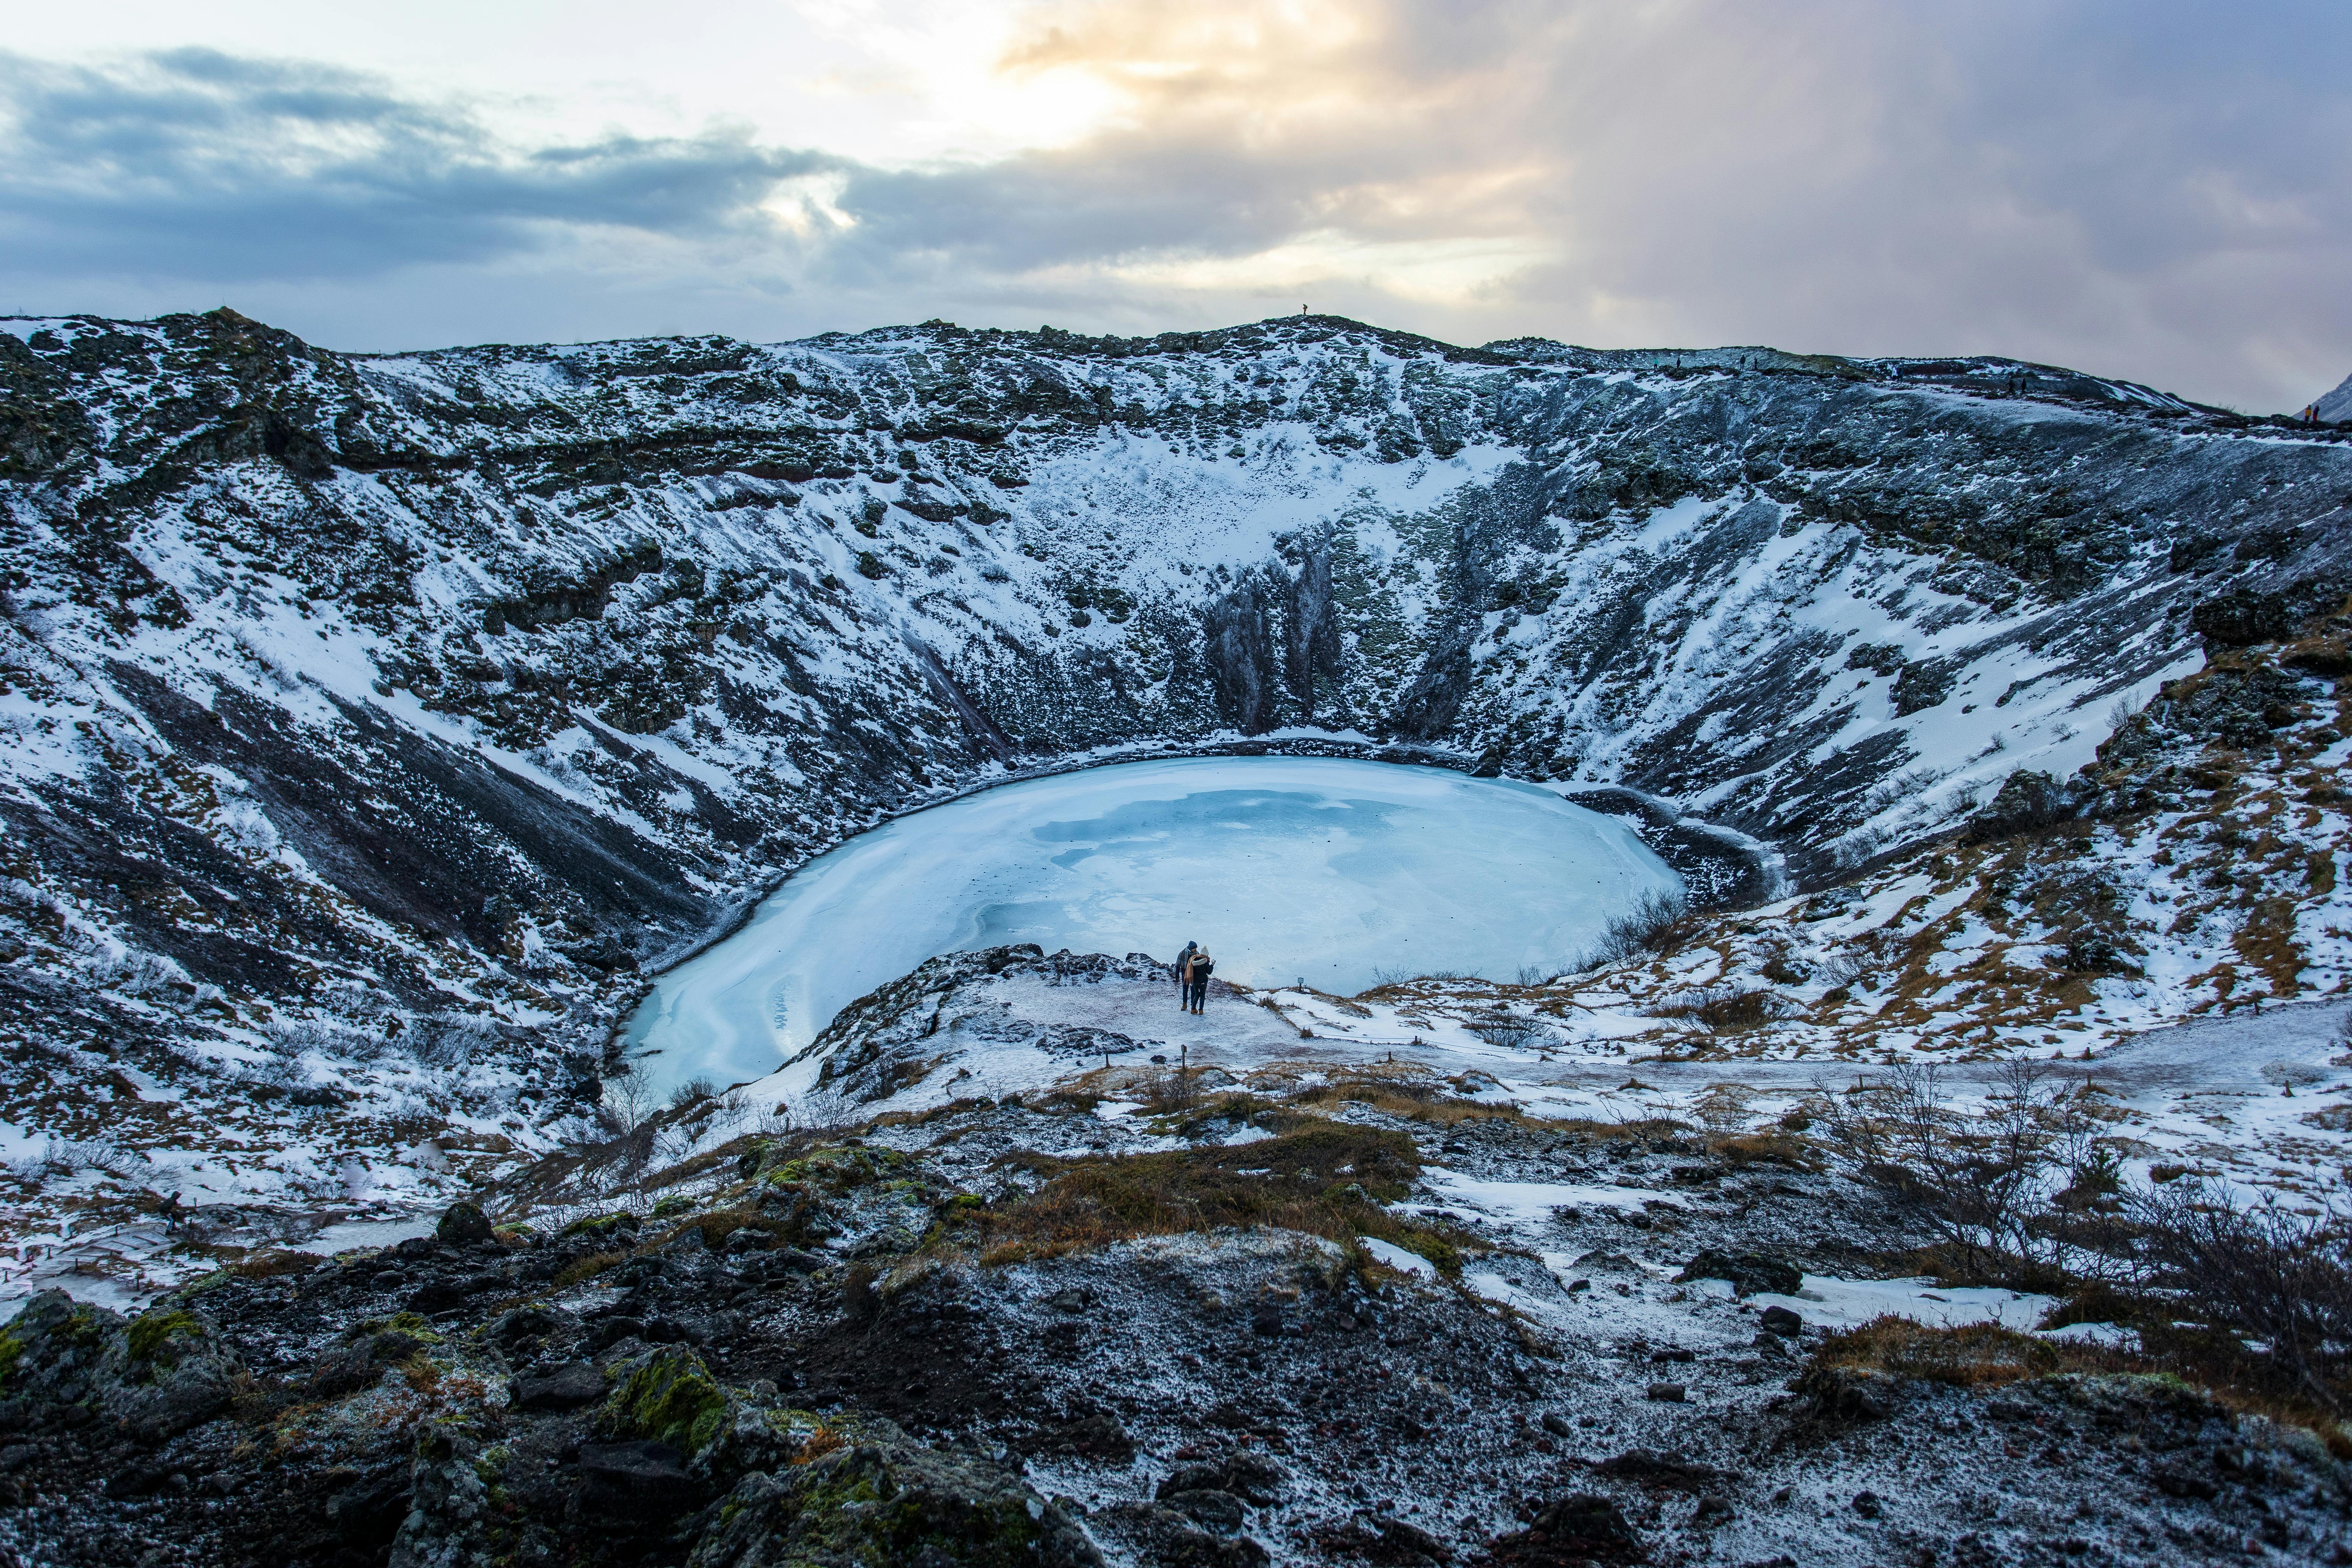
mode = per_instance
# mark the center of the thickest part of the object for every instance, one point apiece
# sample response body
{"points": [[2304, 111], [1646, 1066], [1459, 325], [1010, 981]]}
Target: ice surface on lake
{"points": [[1284, 868]]}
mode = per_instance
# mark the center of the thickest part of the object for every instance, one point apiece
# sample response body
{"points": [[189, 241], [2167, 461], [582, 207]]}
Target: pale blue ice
{"points": [[1286, 868]]}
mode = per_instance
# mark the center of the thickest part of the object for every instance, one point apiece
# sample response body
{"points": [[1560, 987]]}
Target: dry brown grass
{"points": [[925, 1117], [817, 1444], [1741, 1150], [1725, 1010], [587, 1267], [1979, 1355], [1322, 1179], [2194, 1362], [1425, 1097]]}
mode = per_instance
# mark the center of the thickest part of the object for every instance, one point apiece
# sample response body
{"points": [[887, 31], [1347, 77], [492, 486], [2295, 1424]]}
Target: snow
{"points": [[1527, 1203], [1826, 1301], [2336, 404], [1283, 867], [349, 1234], [1391, 1255]]}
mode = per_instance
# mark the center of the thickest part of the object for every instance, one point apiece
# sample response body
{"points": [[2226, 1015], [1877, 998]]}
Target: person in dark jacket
{"points": [[1183, 970], [1198, 993]]}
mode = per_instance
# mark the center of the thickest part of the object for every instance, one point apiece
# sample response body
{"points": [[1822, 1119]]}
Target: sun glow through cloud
{"points": [[2160, 203]]}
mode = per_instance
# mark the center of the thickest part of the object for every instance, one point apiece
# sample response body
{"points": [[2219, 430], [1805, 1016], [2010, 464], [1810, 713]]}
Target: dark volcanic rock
{"points": [[633, 1482], [464, 1224], [884, 1501], [1579, 1528], [1748, 1272], [565, 1387]]}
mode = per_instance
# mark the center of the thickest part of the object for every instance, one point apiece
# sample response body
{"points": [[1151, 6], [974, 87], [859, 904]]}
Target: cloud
{"points": [[2146, 189], [199, 167]]}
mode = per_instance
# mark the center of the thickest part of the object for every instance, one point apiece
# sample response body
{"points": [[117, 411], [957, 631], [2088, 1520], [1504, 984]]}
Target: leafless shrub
{"points": [[61, 1157], [1644, 928], [1840, 970], [1512, 1034], [448, 1040], [2278, 1279], [1724, 1009], [2017, 1184], [816, 1110], [1385, 977], [629, 1097], [1723, 1110], [2025, 1190]]}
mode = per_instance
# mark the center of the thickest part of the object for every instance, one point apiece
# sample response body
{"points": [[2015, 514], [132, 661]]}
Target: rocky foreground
{"points": [[1120, 1323]]}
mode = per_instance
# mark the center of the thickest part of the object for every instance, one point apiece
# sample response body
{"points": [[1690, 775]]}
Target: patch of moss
{"points": [[1436, 1248], [81, 1328], [152, 1332], [850, 1508], [838, 1169], [672, 1206], [408, 1323], [587, 1267], [671, 1398], [602, 1225], [1325, 1179], [12, 1350]]}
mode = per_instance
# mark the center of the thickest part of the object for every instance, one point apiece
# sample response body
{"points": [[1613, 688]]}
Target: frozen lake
{"points": [[1286, 868]]}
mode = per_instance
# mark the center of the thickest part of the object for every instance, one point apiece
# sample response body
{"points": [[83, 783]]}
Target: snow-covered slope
{"points": [[371, 721], [2336, 406]]}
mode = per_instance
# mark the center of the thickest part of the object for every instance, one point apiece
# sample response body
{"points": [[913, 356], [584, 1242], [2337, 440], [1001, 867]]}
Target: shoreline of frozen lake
{"points": [[1325, 869]]}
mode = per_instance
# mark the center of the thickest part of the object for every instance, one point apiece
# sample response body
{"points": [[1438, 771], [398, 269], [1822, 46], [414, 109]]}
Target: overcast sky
{"points": [[2138, 188]]}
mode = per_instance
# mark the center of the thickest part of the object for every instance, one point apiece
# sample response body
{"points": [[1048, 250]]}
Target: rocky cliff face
{"points": [[372, 721]]}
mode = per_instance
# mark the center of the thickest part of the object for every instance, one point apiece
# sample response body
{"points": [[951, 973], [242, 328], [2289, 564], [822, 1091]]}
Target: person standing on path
{"points": [[1198, 993], [1183, 970]]}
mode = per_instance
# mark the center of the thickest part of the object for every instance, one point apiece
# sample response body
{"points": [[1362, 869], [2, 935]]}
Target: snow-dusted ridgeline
{"points": [[373, 720]]}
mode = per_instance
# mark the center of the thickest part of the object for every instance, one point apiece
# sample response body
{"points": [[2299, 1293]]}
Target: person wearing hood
{"points": [[1197, 992], [1183, 970]]}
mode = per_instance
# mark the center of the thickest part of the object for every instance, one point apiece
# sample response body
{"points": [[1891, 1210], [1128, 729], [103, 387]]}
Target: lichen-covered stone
{"points": [[669, 1396], [882, 1501], [159, 1373], [449, 1516]]}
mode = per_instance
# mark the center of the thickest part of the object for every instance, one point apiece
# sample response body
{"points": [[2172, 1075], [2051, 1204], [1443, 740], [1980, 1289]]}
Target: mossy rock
{"points": [[159, 1374], [668, 1397], [152, 1337], [839, 1170], [881, 1501], [603, 1226]]}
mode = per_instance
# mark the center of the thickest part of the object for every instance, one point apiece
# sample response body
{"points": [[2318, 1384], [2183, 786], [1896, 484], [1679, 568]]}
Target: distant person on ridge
{"points": [[1183, 970], [1198, 992]]}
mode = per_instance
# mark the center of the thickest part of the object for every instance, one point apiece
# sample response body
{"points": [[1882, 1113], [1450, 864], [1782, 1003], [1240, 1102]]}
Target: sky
{"points": [[2148, 189]]}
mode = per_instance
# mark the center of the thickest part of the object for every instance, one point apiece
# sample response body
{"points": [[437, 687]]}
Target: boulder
{"points": [[450, 1510], [1254, 1478], [1215, 1510], [565, 1387], [368, 1512], [637, 1480], [159, 1374], [1748, 1272], [2028, 802], [1579, 1528], [884, 1501], [463, 1223], [1160, 1534]]}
